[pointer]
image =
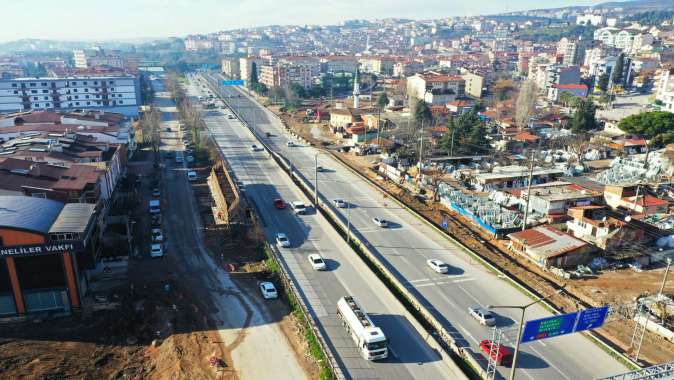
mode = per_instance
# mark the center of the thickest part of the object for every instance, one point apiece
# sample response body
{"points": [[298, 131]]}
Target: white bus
{"points": [[369, 338]]}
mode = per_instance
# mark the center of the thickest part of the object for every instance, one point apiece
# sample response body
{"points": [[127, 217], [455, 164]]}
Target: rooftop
{"points": [[546, 241], [28, 213], [73, 218]]}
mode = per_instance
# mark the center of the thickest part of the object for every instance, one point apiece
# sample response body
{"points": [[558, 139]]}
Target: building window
{"points": [[47, 105], [98, 103], [77, 103], [73, 83], [96, 83], [121, 102], [44, 84], [39, 195], [46, 98], [45, 91], [86, 90], [110, 82], [14, 85], [33, 84], [34, 97], [84, 83], [36, 105], [75, 90], [16, 92], [86, 96], [77, 96], [33, 91], [88, 103]]}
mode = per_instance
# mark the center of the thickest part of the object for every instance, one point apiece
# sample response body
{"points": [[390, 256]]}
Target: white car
{"points": [[290, 144], [383, 223], [438, 265], [484, 316], [317, 262], [157, 235], [340, 203], [282, 240], [299, 207], [268, 290], [190, 159], [156, 250], [254, 148]]}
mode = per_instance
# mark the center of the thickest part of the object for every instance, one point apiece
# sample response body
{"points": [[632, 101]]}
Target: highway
{"points": [[263, 181], [409, 242]]}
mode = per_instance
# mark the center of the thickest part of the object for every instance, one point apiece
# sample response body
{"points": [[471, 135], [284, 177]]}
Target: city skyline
{"points": [[182, 17]]}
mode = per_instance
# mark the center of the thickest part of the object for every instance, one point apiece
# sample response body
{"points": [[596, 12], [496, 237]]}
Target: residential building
{"points": [[634, 200], [406, 68], [80, 58], [304, 71], [436, 89], [590, 19], [230, 67], [377, 65], [552, 200], [246, 65], [339, 64], [665, 89], [547, 247], [474, 83], [597, 225], [119, 94]]}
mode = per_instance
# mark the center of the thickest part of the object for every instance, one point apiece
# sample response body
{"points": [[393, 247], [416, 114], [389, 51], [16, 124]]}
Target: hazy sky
{"points": [[115, 19]]}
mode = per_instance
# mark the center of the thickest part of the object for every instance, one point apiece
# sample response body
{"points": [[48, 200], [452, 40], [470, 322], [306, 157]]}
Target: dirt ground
{"points": [[148, 333]]}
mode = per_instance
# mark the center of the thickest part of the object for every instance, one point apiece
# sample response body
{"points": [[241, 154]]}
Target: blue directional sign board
{"points": [[232, 82], [591, 318], [549, 327]]}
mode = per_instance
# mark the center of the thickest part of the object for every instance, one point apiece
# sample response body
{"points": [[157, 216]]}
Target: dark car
{"points": [[279, 204]]}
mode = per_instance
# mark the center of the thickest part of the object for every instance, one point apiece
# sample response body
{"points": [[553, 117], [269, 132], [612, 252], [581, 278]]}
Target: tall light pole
{"points": [[521, 325]]}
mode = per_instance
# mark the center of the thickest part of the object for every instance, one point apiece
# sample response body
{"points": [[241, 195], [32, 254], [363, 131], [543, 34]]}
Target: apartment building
{"points": [[339, 64], [246, 66], [303, 71], [120, 94], [665, 89], [474, 83], [436, 89], [377, 65], [230, 67]]}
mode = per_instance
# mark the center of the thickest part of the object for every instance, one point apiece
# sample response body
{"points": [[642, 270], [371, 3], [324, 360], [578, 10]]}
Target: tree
{"points": [[656, 126], [422, 113], [503, 89], [477, 139], [583, 120], [526, 103], [617, 76], [565, 98], [253, 74], [602, 82], [298, 91], [382, 101]]}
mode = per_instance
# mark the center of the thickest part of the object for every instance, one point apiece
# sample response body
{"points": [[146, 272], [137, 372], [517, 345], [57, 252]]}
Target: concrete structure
{"points": [[627, 198], [436, 89], [377, 65], [548, 246], [590, 19], [246, 65], [339, 64], [47, 246], [287, 71], [110, 93], [597, 226], [577, 90], [80, 58]]}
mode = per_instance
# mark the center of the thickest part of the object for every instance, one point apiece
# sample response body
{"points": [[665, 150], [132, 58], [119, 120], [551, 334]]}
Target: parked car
{"points": [[268, 290], [502, 354], [383, 223], [319, 168], [317, 262], [154, 206], [484, 316], [340, 203], [282, 240], [190, 159], [438, 266], [156, 220], [279, 204], [156, 250], [157, 235]]}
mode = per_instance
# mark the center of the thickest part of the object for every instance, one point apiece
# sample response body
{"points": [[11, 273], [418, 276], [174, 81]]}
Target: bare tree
{"points": [[526, 103]]}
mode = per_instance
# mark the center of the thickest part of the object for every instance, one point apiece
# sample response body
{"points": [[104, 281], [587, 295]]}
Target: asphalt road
{"points": [[406, 246], [263, 181]]}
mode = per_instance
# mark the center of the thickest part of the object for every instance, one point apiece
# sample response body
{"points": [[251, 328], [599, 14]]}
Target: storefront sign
{"points": [[40, 249]]}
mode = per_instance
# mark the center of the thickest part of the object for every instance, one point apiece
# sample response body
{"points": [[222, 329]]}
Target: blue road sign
{"points": [[445, 223], [233, 82], [549, 327], [591, 318]]}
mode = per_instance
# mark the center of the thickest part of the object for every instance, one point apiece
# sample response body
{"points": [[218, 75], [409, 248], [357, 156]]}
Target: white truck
{"points": [[370, 339]]}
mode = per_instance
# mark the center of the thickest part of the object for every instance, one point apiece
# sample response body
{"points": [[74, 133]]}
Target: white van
{"points": [[299, 207], [191, 175]]}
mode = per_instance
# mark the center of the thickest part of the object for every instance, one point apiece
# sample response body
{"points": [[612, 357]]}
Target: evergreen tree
{"points": [[602, 82], [421, 112], [253, 74], [617, 76], [382, 101], [583, 119]]}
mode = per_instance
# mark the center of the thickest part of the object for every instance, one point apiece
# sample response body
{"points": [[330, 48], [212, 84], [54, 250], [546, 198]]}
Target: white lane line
{"points": [[469, 295], [550, 363], [463, 280], [465, 331], [420, 280]]}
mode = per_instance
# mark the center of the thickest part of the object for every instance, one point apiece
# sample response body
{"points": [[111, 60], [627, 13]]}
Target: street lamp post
{"points": [[521, 325]]}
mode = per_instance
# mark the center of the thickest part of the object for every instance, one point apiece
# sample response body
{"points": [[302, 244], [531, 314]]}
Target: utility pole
{"points": [[379, 128], [421, 147], [664, 279], [316, 181], [530, 179]]}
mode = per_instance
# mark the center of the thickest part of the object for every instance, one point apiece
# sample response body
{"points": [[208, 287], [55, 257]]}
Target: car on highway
{"points": [[254, 148], [191, 175], [501, 354], [156, 250], [282, 240], [317, 262], [383, 223], [482, 315], [290, 144], [156, 192], [438, 266], [157, 235], [299, 207], [190, 159], [154, 206], [340, 203], [230, 117], [268, 290], [279, 204], [320, 168]]}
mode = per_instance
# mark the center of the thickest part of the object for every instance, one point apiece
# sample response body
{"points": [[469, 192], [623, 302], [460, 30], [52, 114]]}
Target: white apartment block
{"points": [[246, 66], [80, 58], [590, 19], [119, 94], [665, 92]]}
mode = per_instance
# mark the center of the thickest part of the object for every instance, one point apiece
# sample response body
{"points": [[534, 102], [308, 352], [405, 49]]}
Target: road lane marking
{"points": [[550, 363]]}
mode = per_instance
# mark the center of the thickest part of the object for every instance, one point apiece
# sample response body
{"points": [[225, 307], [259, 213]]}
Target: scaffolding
{"points": [[661, 372], [490, 212]]}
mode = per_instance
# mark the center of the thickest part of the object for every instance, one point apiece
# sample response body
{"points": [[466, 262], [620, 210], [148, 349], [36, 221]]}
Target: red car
{"points": [[503, 355], [279, 204]]}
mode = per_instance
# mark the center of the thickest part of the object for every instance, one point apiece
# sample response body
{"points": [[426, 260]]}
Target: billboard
{"points": [[564, 324]]}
